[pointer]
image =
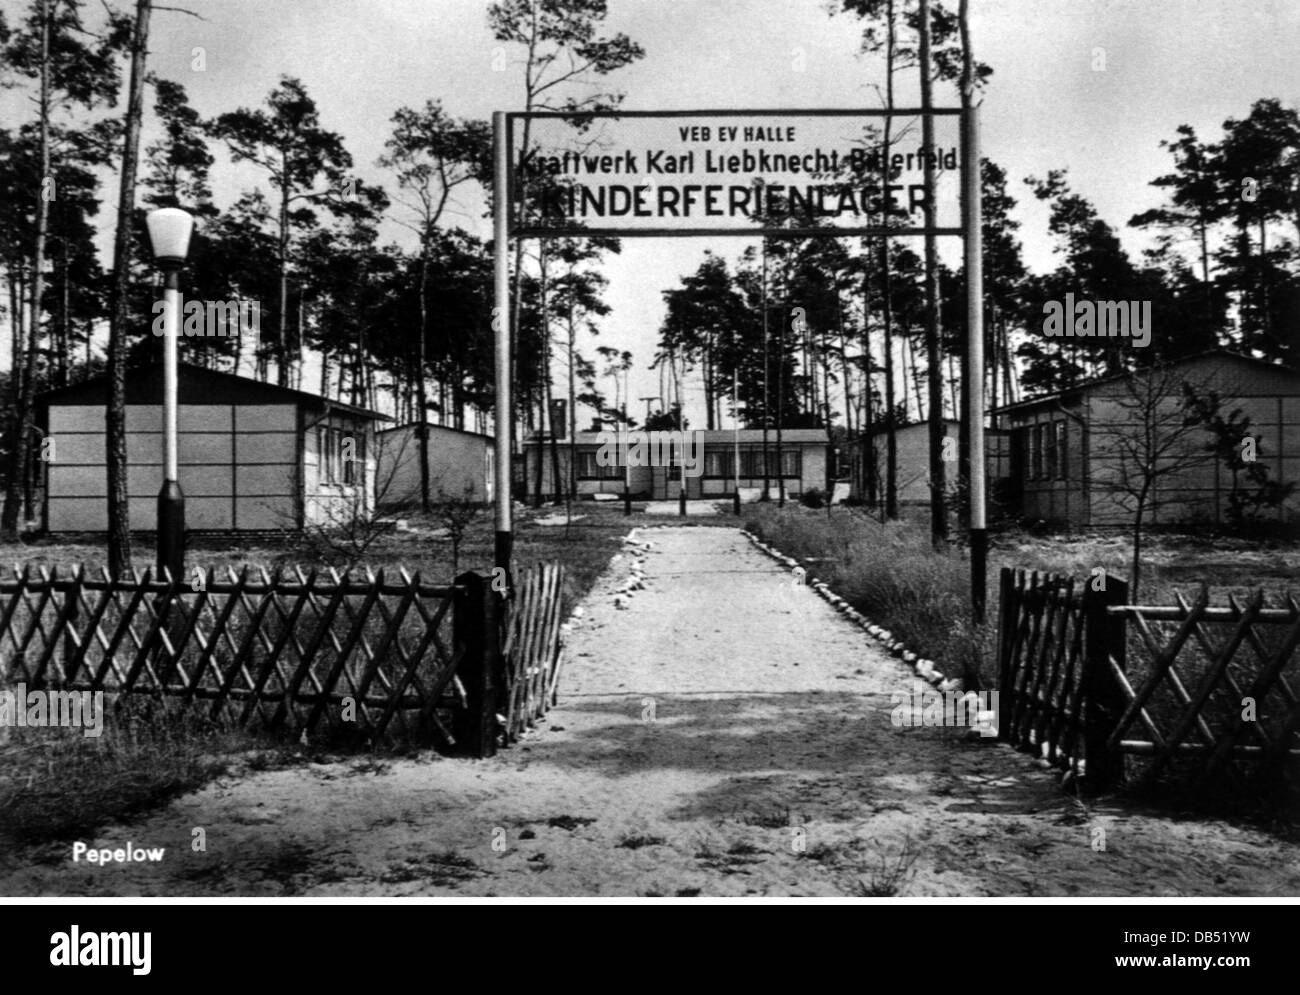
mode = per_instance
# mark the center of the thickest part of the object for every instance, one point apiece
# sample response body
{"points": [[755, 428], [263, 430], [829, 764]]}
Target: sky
{"points": [[1088, 85]]}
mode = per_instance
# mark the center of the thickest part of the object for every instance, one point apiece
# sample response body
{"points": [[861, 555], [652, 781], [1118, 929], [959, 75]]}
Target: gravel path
{"points": [[725, 733]]}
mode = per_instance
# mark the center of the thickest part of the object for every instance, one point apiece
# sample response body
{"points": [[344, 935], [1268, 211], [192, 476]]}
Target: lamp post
{"points": [[504, 539], [169, 233]]}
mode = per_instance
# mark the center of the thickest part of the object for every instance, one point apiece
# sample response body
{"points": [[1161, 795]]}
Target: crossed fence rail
{"points": [[290, 649], [386, 657], [1087, 680]]}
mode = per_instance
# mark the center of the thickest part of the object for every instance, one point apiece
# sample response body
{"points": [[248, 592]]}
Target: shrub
{"points": [[814, 497]]}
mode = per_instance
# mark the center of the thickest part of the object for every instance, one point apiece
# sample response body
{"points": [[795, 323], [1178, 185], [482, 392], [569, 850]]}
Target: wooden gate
{"points": [[533, 648], [1208, 688]]}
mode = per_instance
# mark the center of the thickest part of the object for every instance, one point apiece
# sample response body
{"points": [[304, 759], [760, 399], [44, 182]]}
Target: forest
{"points": [[849, 334]]}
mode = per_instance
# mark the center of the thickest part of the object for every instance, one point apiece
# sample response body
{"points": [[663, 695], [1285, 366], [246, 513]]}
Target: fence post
{"points": [[1008, 618], [474, 626], [1104, 638]]}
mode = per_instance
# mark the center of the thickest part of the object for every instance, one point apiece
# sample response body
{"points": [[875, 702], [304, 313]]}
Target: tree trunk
{"points": [[282, 342], [65, 319], [911, 380], [359, 367], [1266, 320], [421, 390], [708, 390], [845, 372], [1135, 571], [868, 445], [1203, 231], [26, 393], [17, 304], [826, 387]]}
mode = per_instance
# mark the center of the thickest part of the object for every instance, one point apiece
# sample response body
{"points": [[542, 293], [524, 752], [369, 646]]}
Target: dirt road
{"points": [[726, 733]]}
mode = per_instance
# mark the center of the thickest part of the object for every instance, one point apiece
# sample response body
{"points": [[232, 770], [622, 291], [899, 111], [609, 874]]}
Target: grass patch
{"points": [[56, 784], [636, 842], [569, 822], [775, 817], [890, 874], [446, 869]]}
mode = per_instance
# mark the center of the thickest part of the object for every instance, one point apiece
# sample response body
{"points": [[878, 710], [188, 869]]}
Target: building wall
{"points": [[812, 472], [1197, 493], [1092, 492], [1046, 464], [913, 466], [662, 483], [641, 479], [236, 466], [334, 502], [460, 464]]}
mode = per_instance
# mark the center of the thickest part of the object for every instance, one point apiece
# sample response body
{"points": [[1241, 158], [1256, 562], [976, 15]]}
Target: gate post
{"points": [[1104, 639], [1008, 618], [474, 626]]}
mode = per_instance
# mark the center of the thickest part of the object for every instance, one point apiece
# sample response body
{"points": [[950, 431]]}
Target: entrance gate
{"points": [[757, 173]]}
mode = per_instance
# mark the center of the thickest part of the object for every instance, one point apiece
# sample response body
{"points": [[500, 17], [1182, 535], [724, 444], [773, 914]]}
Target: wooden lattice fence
{"points": [[533, 648], [1216, 696], [1082, 675], [378, 655], [1048, 699]]}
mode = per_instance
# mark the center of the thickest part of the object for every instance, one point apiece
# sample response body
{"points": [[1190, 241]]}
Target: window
{"points": [[354, 468], [1062, 467], [328, 455], [751, 462], [342, 455], [1049, 450], [1035, 452], [590, 469], [792, 462], [719, 463]]}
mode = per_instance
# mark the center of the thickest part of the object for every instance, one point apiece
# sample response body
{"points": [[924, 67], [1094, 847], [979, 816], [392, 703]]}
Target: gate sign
{"points": [[646, 173]]}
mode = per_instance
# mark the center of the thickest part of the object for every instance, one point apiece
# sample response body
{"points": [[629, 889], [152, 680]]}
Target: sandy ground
{"points": [[727, 733]]}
